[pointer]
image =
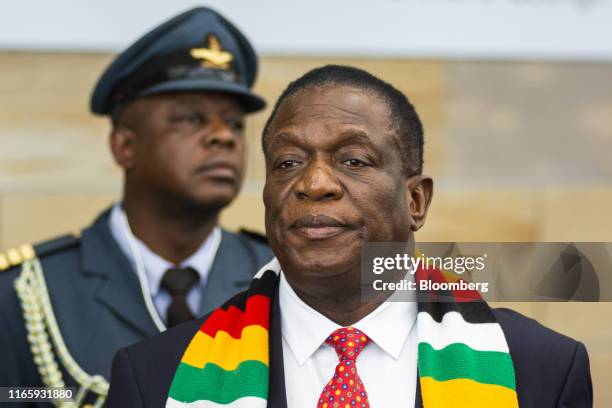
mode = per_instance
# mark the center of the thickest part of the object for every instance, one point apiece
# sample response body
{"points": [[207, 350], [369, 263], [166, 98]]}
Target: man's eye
{"points": [[288, 164], [235, 124], [355, 163]]}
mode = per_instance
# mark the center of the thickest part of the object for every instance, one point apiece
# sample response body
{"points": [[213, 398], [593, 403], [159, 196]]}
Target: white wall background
{"points": [[489, 29]]}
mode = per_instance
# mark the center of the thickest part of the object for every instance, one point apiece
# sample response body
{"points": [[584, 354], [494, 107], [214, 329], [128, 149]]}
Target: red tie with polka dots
{"points": [[345, 389]]}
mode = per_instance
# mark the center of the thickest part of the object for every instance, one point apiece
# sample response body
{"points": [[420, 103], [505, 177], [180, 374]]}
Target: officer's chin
{"points": [[214, 196]]}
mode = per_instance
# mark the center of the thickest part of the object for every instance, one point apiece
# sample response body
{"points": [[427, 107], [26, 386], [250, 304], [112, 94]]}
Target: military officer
{"points": [[177, 99]]}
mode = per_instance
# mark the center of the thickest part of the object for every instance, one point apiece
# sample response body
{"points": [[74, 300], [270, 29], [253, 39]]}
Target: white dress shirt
{"points": [[387, 366], [155, 266]]}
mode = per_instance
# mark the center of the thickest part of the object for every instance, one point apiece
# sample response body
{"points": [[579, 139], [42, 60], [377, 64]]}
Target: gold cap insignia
{"points": [[213, 56]]}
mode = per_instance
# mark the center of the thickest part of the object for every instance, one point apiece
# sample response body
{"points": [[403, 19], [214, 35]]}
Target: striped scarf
{"points": [[463, 357]]}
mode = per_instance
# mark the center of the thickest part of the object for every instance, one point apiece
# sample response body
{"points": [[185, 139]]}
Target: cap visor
{"points": [[249, 101]]}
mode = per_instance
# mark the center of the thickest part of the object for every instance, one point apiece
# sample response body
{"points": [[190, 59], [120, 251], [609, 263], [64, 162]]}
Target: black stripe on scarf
{"points": [[473, 312], [262, 286]]}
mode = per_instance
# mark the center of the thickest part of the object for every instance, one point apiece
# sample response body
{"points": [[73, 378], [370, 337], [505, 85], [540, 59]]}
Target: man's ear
{"points": [[123, 145], [420, 191]]}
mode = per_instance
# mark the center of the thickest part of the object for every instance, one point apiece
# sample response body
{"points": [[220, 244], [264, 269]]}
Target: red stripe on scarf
{"points": [[233, 320]]}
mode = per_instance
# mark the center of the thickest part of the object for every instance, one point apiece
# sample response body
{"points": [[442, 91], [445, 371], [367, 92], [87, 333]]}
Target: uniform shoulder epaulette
{"points": [[56, 245], [16, 256], [254, 235]]}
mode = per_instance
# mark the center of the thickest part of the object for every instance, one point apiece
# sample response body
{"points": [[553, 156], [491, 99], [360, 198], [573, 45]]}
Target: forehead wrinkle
{"points": [[283, 138], [335, 107], [346, 137], [354, 136], [324, 113]]}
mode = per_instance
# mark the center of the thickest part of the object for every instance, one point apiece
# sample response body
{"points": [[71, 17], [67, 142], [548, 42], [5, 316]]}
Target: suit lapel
{"points": [[418, 399], [229, 274], [120, 291], [277, 397]]}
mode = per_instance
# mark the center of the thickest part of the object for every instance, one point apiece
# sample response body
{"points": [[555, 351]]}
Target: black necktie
{"points": [[178, 282]]}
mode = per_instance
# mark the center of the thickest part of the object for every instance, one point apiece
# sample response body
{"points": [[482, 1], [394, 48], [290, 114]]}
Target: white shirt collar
{"points": [[305, 329], [155, 265]]}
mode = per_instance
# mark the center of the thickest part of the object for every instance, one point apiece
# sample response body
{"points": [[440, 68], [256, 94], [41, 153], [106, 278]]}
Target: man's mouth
{"points": [[318, 227], [218, 170]]}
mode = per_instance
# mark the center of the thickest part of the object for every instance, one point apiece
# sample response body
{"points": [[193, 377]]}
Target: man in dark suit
{"points": [[177, 99], [344, 167]]}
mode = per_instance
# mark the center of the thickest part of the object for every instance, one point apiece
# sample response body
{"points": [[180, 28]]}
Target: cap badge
{"points": [[214, 56]]}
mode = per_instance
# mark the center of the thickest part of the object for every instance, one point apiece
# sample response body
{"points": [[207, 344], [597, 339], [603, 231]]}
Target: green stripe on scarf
{"points": [[249, 379], [460, 361]]}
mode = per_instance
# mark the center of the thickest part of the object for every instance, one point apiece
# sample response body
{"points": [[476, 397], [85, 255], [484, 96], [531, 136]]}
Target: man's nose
{"points": [[318, 183], [220, 135]]}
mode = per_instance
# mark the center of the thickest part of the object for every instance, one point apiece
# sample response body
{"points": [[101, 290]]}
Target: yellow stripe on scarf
{"points": [[465, 393], [226, 351]]}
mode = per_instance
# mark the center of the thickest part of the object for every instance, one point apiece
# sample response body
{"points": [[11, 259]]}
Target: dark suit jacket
{"points": [[552, 370], [97, 299]]}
